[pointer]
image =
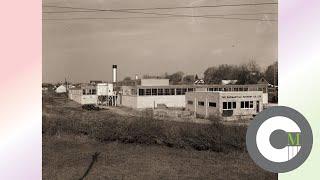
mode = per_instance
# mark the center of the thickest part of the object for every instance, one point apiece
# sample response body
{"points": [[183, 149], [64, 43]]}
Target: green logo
{"points": [[294, 139]]}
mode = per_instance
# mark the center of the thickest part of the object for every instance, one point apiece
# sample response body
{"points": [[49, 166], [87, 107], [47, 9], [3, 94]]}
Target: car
{"points": [[90, 107]]}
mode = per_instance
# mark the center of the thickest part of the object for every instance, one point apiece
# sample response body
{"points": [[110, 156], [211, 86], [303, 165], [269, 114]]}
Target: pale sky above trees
{"points": [[83, 50]]}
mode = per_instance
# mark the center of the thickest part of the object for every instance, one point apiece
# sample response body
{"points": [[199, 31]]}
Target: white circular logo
{"points": [[279, 139]]}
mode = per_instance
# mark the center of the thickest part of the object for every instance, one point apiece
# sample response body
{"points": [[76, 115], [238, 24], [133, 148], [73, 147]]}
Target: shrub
{"points": [[147, 130]]}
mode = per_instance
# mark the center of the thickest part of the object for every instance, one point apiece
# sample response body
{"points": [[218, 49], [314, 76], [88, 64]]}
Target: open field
{"points": [[138, 147], [67, 157]]}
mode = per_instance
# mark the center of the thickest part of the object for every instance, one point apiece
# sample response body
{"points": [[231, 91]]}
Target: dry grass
{"points": [[135, 147], [105, 126], [67, 157]]}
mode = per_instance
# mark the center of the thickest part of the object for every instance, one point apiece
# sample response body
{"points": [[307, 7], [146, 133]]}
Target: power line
{"points": [[110, 18], [163, 8], [232, 14], [165, 15], [84, 18], [181, 15]]}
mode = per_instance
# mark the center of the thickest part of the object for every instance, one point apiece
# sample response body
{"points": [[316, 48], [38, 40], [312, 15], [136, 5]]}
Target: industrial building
{"points": [[85, 94], [226, 105], [154, 93], [97, 94], [151, 93]]}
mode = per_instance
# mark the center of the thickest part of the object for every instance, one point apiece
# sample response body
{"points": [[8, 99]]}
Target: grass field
{"points": [[67, 157], [134, 149]]}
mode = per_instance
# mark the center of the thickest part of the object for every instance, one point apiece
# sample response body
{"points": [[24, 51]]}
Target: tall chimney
{"points": [[114, 73]]}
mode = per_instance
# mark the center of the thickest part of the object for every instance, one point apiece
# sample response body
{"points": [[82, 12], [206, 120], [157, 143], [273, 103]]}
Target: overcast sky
{"points": [[83, 50]]}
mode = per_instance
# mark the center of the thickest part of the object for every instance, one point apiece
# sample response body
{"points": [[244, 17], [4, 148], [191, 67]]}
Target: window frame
{"points": [[229, 105], [142, 92], [148, 92], [201, 103], [212, 104]]}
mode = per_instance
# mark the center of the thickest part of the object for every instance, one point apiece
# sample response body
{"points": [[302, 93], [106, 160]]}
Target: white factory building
{"points": [[97, 93], [152, 93], [226, 105]]}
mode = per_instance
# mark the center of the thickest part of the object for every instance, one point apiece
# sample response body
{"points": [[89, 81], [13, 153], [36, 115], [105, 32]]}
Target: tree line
{"points": [[247, 73]]}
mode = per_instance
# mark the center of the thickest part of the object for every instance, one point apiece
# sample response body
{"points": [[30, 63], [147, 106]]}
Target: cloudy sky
{"points": [[82, 46]]}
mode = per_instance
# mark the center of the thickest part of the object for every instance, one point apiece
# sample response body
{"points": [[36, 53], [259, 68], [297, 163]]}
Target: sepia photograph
{"points": [[155, 89]]}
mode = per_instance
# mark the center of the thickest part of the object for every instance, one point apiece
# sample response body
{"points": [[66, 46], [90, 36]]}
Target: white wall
{"points": [[77, 96], [129, 101], [154, 82], [89, 99], [104, 89], [265, 98], [151, 101]]}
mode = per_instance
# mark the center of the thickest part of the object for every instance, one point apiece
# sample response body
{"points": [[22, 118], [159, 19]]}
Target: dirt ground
{"points": [[68, 157]]}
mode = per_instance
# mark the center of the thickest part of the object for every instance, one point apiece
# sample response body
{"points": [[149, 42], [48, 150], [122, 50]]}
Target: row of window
{"points": [[229, 105], [247, 104], [159, 92], [226, 105], [182, 91], [236, 89], [89, 91], [201, 103]]}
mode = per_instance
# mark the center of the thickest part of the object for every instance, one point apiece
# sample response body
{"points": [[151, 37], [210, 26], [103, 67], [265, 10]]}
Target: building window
{"points": [[166, 92], [178, 91], [235, 89], [201, 103], [154, 92], [225, 105], [133, 92], [172, 92], [148, 92], [247, 104], [141, 92], [190, 89], [160, 91], [83, 91], [184, 90], [251, 104], [212, 104], [210, 89], [190, 102], [229, 105], [264, 90], [245, 89], [94, 91]]}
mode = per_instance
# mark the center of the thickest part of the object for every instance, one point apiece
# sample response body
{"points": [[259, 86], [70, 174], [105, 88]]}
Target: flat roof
{"points": [[200, 86], [221, 93]]}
